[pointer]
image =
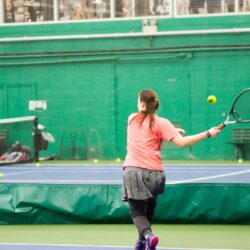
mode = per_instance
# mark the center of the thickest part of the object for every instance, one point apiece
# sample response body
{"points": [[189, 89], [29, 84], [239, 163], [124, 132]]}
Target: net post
{"points": [[36, 140]]}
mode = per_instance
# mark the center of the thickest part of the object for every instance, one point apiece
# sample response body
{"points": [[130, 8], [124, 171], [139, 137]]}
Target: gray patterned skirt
{"points": [[142, 184]]}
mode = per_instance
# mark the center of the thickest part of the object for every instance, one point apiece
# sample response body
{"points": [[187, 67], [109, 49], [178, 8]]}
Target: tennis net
{"points": [[18, 129]]}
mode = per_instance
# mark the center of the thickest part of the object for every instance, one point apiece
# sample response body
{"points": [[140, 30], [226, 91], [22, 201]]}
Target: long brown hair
{"points": [[150, 98]]}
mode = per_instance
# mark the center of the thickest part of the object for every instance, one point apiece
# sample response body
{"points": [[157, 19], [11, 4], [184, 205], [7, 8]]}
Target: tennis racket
{"points": [[240, 111]]}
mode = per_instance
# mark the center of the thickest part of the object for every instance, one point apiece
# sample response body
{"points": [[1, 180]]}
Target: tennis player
{"points": [[144, 176]]}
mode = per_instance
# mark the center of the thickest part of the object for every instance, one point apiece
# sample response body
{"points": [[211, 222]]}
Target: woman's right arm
{"points": [[184, 141]]}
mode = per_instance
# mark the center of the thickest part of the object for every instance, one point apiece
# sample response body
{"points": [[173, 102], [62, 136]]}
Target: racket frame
{"points": [[231, 113]]}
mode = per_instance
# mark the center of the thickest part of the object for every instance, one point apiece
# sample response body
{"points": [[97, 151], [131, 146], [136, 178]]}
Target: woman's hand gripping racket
{"points": [[240, 111]]}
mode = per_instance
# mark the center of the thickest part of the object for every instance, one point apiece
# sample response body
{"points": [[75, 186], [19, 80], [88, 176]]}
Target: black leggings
{"points": [[142, 213]]}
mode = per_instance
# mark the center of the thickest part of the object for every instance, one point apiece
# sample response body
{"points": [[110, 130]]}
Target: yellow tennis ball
{"points": [[240, 160], [96, 160], [37, 164], [212, 99], [1, 175], [118, 160]]}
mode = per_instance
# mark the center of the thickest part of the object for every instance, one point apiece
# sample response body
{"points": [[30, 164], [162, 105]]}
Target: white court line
{"points": [[60, 168], [209, 177], [20, 173], [33, 181], [68, 171], [100, 246], [119, 166], [39, 181], [49, 169], [209, 168]]}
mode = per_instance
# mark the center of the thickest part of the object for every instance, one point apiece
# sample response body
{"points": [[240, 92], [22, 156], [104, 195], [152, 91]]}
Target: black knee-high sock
{"points": [[150, 209], [142, 213]]}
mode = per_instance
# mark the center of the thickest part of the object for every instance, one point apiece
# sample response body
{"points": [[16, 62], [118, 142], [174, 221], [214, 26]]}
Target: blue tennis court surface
{"points": [[77, 247], [58, 247], [112, 174]]}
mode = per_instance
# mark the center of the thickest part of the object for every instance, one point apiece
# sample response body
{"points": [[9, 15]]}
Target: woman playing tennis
{"points": [[144, 176]]}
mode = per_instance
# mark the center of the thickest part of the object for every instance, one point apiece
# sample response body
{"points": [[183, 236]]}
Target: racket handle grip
{"points": [[221, 126]]}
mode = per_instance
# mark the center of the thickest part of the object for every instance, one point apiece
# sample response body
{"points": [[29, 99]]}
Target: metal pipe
{"points": [[1, 12], [185, 53], [129, 34], [56, 10], [58, 62], [17, 119]]}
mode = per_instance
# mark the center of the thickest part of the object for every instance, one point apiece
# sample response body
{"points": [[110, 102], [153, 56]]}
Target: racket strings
{"points": [[242, 107]]}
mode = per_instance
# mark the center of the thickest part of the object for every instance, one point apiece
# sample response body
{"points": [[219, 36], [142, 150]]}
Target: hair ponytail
{"points": [[150, 99]]}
